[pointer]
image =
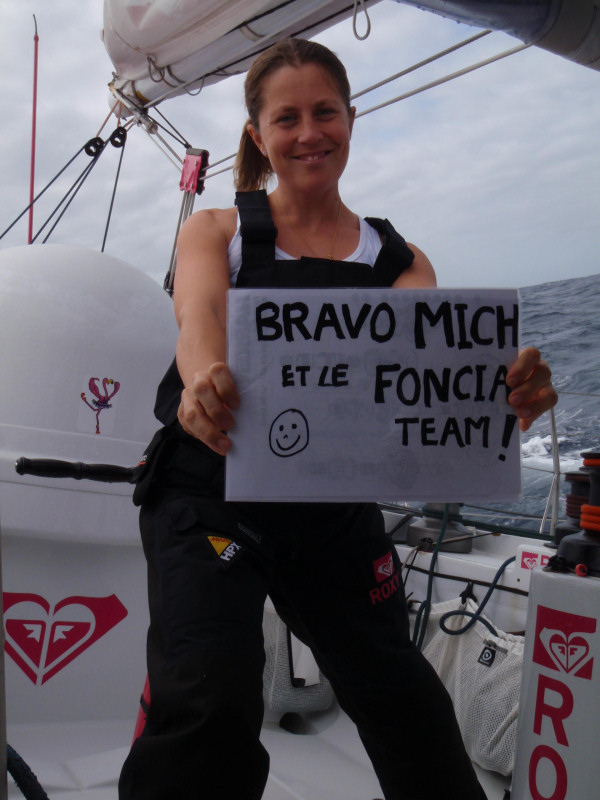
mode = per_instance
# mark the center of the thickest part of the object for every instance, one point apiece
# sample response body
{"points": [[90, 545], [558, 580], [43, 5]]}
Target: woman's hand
{"points": [[530, 380], [206, 405]]}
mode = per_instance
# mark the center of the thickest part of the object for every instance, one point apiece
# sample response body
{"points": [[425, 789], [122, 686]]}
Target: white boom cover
{"points": [[170, 46], [163, 48]]}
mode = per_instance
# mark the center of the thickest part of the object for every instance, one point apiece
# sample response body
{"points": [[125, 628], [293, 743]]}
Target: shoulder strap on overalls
{"points": [[256, 228], [395, 255]]}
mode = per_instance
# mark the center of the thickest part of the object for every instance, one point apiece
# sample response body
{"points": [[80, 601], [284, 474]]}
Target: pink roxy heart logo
{"points": [[42, 639], [383, 567], [568, 651], [562, 642], [531, 560]]}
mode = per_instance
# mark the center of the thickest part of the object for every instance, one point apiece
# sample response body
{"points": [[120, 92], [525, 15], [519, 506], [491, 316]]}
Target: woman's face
{"points": [[304, 126]]}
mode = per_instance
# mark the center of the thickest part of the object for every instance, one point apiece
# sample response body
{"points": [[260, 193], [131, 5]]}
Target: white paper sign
{"points": [[373, 394]]}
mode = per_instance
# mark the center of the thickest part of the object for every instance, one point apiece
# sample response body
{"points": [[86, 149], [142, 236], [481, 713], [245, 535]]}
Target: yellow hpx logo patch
{"points": [[226, 549], [219, 543]]}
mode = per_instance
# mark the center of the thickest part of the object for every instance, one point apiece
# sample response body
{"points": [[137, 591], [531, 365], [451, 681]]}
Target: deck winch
{"points": [[581, 550]]}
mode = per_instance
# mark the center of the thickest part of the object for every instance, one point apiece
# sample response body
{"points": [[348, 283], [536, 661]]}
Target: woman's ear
{"points": [[352, 118], [254, 134]]}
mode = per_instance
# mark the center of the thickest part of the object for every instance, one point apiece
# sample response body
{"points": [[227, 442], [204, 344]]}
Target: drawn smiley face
{"points": [[289, 433]]}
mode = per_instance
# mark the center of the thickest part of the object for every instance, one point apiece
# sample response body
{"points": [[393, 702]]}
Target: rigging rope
{"points": [[23, 776], [419, 90], [108, 116], [476, 616], [365, 35], [553, 495], [48, 185], [182, 140], [420, 628], [93, 148], [78, 183], [152, 135], [459, 73], [420, 64], [118, 139]]}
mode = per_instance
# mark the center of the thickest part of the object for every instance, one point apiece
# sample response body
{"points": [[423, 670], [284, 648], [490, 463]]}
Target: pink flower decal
{"points": [[102, 397]]}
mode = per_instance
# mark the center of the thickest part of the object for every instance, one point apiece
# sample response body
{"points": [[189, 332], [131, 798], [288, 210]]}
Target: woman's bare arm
{"points": [[200, 300]]}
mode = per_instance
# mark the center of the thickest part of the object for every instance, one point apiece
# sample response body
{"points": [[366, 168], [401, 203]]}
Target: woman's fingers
{"points": [[204, 411], [224, 384], [530, 379]]}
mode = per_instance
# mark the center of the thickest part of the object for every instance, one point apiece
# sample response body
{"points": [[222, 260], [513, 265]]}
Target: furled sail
{"points": [[161, 48]]}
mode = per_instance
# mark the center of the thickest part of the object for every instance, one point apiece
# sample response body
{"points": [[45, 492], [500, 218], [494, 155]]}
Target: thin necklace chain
{"points": [[332, 245]]}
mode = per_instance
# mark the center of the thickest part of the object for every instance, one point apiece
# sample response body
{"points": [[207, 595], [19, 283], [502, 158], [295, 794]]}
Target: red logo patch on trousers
{"points": [[42, 639], [387, 578]]}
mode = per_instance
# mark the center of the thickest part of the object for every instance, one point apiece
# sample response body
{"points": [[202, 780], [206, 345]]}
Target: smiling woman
{"points": [[304, 130], [205, 653]]}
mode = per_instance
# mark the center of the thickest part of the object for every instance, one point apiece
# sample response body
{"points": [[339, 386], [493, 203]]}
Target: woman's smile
{"points": [[312, 157]]}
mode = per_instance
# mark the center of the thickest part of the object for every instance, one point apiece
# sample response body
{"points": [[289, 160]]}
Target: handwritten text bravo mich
{"points": [[463, 328]]}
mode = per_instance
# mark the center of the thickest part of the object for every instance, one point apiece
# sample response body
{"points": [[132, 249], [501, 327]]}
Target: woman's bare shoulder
{"points": [[218, 223], [420, 274]]}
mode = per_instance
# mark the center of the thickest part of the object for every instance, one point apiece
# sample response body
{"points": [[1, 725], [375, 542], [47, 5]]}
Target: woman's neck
{"points": [[305, 210], [321, 227]]}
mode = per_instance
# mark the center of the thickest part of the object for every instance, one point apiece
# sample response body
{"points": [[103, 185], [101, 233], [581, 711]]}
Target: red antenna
{"points": [[33, 122]]}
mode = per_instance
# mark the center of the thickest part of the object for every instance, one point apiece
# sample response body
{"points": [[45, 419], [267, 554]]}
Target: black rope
{"points": [[118, 139], [78, 183], [420, 628], [182, 140], [37, 197], [463, 579], [475, 616], [23, 776]]}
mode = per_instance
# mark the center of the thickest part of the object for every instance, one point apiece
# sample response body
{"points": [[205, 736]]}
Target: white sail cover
{"points": [[166, 47], [162, 48]]}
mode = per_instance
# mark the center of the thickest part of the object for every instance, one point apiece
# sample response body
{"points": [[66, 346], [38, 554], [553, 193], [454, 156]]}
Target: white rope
{"points": [[163, 151], [354, 20], [445, 79], [408, 94], [420, 64], [556, 460], [401, 97], [581, 394], [218, 172], [223, 160]]}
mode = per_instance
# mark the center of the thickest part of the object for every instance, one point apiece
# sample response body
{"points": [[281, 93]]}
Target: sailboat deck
{"points": [[82, 761]]}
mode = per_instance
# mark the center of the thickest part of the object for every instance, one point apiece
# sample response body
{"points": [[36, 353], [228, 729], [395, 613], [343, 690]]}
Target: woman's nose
{"points": [[309, 130]]}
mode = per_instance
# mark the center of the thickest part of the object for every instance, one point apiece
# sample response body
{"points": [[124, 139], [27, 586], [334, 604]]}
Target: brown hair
{"points": [[252, 170]]}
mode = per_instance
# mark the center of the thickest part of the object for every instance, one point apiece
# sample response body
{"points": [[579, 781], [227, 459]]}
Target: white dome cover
{"points": [[86, 339]]}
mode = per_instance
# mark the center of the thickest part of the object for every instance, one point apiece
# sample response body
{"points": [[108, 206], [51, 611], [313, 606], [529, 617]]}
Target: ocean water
{"points": [[562, 319]]}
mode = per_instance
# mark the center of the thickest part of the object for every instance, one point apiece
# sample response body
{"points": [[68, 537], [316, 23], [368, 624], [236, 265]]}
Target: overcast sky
{"points": [[495, 175]]}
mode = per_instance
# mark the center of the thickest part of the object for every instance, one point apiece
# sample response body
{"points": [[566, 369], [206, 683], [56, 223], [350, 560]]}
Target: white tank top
{"points": [[367, 251]]}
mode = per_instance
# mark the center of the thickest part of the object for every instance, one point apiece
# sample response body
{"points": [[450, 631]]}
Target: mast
{"points": [[33, 124]]}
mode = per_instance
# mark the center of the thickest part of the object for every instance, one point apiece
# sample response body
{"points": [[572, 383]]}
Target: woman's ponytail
{"points": [[251, 170]]}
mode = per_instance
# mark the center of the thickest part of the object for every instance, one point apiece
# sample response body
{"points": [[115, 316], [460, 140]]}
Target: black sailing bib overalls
{"points": [[330, 570]]}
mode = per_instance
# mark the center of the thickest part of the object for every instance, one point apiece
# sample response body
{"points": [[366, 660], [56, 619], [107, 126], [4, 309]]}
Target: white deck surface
{"points": [[82, 761]]}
